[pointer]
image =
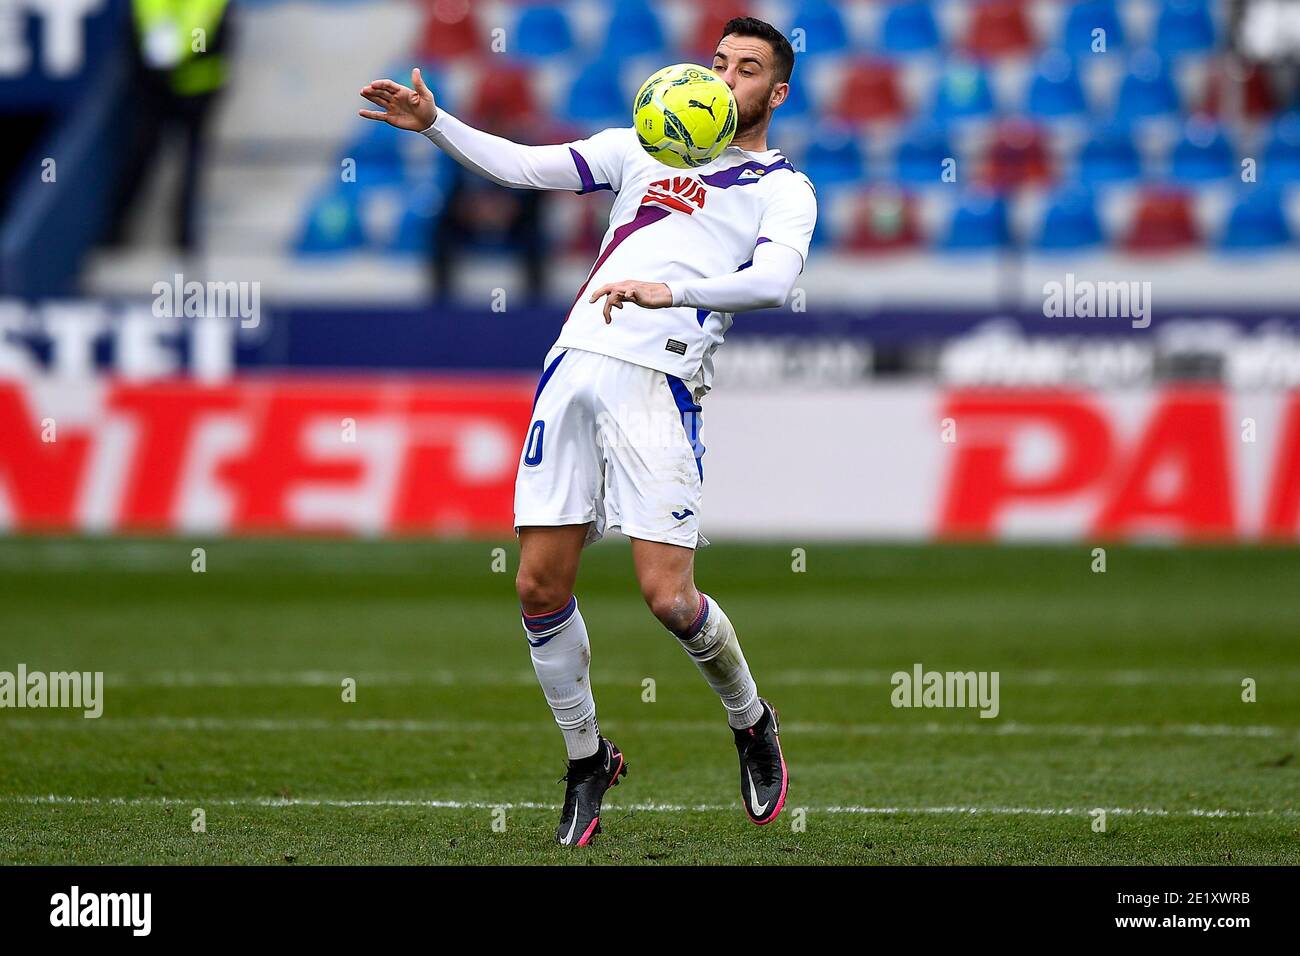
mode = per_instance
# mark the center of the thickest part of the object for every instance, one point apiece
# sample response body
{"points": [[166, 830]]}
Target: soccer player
{"points": [[685, 250]]}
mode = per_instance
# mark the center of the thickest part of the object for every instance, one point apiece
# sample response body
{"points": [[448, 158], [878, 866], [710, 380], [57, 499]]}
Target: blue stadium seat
{"points": [[797, 105], [542, 31], [825, 231], [377, 154], [596, 96], [979, 223], [421, 206], [1083, 19], [1110, 156], [833, 158], [1070, 222], [920, 153], [375, 141], [333, 223], [1281, 159], [823, 27], [1184, 26], [1257, 221], [909, 27], [962, 92], [1148, 89], [1055, 91], [1203, 153], [634, 30]]}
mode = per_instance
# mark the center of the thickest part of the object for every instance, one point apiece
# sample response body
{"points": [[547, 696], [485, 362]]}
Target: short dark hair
{"points": [[754, 27]]}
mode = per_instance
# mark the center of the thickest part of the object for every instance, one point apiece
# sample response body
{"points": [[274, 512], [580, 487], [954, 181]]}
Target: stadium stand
{"points": [[1061, 119]]}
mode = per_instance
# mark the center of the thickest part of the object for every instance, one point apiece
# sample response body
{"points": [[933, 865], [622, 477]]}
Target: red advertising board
{"points": [[259, 455], [438, 455]]}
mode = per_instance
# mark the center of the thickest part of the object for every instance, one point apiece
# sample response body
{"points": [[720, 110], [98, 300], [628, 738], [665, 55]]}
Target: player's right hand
{"points": [[401, 106]]}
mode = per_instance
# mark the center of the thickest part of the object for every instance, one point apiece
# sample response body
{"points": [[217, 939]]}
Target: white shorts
{"points": [[614, 444]]}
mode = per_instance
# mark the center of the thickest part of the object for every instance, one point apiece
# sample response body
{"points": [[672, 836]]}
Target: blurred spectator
{"points": [[180, 54], [481, 215]]}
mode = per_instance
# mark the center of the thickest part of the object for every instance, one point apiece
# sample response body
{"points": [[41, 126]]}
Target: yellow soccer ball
{"points": [[685, 116]]}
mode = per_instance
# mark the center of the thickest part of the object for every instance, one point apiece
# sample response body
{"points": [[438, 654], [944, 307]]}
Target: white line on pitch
{"points": [[54, 799], [900, 728], [525, 678]]}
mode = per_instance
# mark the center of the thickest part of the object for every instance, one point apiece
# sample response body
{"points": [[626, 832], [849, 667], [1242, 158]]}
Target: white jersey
{"points": [[669, 225], [614, 441]]}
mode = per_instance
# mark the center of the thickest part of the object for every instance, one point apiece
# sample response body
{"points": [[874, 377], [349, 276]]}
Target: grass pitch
{"points": [[1120, 691]]}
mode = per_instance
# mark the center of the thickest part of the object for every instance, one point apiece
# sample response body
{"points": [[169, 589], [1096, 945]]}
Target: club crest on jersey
{"points": [[681, 193]]}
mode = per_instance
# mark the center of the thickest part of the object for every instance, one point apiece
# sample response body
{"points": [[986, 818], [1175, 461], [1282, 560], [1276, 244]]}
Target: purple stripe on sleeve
{"points": [[589, 184]]}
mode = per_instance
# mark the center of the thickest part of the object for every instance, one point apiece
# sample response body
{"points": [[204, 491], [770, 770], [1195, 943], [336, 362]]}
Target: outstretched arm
{"points": [[764, 285], [502, 161], [493, 157]]}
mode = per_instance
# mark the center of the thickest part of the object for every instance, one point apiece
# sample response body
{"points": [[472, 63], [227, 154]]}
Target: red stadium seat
{"points": [[504, 96], [1163, 223], [450, 30], [870, 92], [998, 28], [707, 30], [883, 220], [1018, 156], [1250, 96]]}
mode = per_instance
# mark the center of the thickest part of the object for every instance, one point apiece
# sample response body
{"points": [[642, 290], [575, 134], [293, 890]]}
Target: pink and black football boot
{"points": [[586, 782], [764, 778]]}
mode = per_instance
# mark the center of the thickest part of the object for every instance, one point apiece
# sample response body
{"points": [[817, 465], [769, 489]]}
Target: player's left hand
{"points": [[648, 295]]}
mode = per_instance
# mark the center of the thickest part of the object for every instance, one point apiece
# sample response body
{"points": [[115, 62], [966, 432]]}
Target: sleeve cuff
{"points": [[436, 127]]}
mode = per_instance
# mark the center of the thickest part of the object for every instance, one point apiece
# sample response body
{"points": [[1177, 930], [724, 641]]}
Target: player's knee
{"points": [[539, 594], [673, 606]]}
